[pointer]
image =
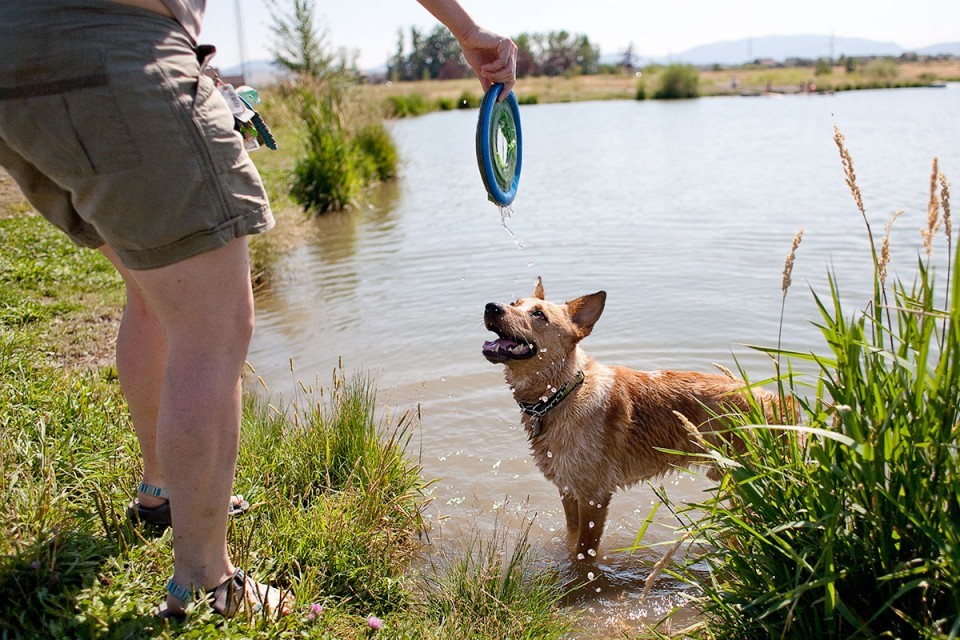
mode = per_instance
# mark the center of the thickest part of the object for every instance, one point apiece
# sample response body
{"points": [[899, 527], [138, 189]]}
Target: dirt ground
{"points": [[10, 194]]}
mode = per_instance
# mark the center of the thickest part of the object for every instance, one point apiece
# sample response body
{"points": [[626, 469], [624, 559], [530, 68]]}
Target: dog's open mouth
{"points": [[503, 349]]}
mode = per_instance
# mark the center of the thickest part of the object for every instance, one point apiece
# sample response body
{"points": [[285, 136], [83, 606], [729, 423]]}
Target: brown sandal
{"points": [[230, 598]]}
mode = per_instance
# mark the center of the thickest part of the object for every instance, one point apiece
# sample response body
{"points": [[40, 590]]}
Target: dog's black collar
{"points": [[540, 409]]}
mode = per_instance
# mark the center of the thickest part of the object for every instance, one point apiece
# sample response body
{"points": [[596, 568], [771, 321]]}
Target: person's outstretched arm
{"points": [[492, 57]]}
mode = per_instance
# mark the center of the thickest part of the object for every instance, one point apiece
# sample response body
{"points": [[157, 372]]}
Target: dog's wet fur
{"points": [[619, 426]]}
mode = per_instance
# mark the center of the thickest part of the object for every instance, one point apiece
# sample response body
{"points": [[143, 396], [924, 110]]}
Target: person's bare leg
{"points": [[141, 364], [204, 306]]}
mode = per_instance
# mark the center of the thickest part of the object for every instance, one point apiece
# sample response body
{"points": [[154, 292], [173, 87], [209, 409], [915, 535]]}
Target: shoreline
{"points": [[751, 79]]}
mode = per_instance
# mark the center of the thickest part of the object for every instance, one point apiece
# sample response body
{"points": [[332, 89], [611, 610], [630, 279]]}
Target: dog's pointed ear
{"points": [[585, 311], [538, 292]]}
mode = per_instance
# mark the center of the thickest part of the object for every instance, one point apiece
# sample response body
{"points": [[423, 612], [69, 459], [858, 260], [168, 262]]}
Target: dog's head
{"points": [[533, 329]]}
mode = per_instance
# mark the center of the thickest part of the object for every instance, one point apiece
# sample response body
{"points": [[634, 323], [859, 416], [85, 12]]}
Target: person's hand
{"points": [[493, 58]]}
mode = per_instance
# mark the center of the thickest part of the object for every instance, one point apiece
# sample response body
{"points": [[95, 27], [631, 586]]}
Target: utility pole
{"points": [[241, 41]]}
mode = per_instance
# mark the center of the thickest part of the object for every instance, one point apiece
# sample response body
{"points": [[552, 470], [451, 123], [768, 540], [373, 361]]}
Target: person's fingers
{"points": [[504, 68]]}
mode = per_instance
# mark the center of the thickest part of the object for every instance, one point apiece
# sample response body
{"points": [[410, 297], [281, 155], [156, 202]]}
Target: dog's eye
{"points": [[536, 313]]}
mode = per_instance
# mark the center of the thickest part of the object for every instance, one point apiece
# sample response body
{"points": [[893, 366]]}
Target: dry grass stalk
{"points": [[725, 371], [933, 212], [788, 264], [851, 175], [945, 203], [695, 434], [659, 567], [885, 248]]}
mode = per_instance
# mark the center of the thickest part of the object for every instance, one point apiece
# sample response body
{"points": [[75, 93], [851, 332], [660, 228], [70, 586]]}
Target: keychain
{"points": [[247, 121], [241, 101]]}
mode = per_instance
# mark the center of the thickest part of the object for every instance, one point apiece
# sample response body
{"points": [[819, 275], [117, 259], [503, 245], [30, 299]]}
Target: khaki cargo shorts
{"points": [[115, 136]]}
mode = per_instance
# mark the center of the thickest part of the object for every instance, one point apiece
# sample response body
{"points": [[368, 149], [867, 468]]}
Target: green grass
{"points": [[338, 502], [848, 527]]}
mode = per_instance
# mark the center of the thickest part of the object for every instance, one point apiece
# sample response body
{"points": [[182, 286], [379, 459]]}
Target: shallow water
{"points": [[683, 212]]}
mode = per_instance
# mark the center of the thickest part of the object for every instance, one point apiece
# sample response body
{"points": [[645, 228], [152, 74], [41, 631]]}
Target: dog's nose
{"points": [[492, 310]]}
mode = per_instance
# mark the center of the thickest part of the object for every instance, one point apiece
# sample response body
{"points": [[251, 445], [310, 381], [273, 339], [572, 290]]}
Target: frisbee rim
{"points": [[501, 196]]}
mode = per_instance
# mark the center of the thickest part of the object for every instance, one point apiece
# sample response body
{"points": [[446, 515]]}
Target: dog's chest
{"points": [[570, 450]]}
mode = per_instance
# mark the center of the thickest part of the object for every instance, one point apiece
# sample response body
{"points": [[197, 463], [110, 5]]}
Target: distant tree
{"points": [[435, 56], [565, 53], [443, 56], [299, 43], [823, 68], [628, 60], [395, 64], [526, 57]]}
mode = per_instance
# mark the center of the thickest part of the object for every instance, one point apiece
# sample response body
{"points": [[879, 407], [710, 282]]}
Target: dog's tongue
{"points": [[498, 344]]}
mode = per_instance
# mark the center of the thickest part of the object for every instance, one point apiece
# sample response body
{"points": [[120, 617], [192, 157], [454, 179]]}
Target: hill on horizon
{"points": [[808, 46]]}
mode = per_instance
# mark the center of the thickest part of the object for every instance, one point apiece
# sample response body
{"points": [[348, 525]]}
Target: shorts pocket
{"points": [[65, 118], [101, 130]]}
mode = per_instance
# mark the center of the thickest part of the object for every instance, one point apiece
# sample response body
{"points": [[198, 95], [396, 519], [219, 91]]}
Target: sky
{"points": [[655, 29]]}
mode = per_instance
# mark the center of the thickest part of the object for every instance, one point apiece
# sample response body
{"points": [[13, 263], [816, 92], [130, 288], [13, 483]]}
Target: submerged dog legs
{"points": [[585, 521]]}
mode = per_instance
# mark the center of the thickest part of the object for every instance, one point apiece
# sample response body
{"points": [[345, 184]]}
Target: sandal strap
{"points": [[153, 490], [180, 592], [242, 506]]}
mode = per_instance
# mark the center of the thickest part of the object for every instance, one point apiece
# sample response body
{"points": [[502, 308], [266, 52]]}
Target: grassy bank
{"points": [[337, 499]]}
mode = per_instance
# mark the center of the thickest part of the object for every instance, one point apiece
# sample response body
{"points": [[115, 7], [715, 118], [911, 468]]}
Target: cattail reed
{"points": [[933, 212]]}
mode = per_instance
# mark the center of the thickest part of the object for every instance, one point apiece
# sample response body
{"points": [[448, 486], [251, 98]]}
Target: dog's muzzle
{"points": [[505, 347]]}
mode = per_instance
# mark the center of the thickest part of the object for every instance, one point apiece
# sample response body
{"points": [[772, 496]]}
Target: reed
{"points": [[846, 526]]}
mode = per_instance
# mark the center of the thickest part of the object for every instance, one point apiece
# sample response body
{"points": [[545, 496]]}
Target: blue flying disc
{"points": [[499, 145]]}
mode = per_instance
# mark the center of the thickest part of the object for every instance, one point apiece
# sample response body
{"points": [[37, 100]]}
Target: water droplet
{"points": [[598, 589], [590, 575], [580, 556], [591, 503], [592, 552], [549, 454], [591, 525]]}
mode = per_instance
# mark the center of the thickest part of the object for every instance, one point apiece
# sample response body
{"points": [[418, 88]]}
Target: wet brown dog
{"points": [[593, 428]]}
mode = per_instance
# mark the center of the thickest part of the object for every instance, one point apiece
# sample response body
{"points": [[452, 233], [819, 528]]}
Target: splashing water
{"points": [[505, 213]]}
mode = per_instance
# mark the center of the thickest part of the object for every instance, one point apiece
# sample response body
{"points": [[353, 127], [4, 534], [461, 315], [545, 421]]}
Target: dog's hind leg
{"points": [[592, 518]]}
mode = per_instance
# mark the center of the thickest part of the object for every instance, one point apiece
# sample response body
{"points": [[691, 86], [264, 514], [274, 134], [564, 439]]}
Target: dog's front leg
{"points": [[592, 517], [571, 511]]}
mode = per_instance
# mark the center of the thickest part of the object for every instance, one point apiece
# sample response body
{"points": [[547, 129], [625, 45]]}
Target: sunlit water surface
{"points": [[683, 212]]}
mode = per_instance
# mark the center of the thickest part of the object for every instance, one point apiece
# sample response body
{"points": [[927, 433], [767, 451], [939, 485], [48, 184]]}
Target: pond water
{"points": [[683, 212]]}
